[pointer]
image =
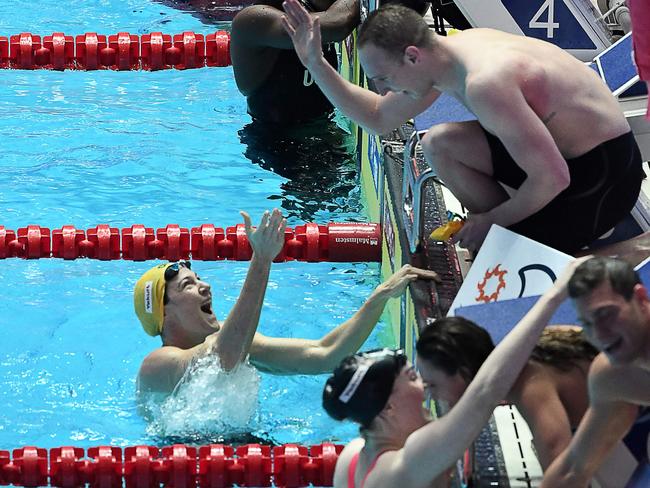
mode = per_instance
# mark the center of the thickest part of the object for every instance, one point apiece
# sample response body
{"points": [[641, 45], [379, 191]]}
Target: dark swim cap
{"points": [[360, 386]]}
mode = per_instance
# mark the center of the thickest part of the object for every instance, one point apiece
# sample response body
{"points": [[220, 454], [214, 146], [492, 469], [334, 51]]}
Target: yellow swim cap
{"points": [[148, 299]]}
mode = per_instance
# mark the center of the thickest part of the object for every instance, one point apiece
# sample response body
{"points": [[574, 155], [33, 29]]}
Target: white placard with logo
{"points": [[509, 266]]}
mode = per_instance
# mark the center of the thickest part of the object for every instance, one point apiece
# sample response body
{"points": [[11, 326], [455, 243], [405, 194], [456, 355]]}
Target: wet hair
{"points": [[420, 6], [455, 345], [371, 395], [171, 273], [593, 272], [393, 28], [563, 349]]}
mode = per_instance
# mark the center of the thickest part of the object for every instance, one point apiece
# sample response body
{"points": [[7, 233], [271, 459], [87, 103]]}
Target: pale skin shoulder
{"points": [[163, 368], [343, 462], [625, 382]]}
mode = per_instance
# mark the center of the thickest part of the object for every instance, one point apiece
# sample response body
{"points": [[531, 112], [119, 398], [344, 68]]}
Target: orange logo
{"points": [[495, 273]]}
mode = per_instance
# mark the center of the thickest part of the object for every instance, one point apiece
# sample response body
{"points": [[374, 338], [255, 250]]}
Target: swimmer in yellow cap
{"points": [[173, 302]]}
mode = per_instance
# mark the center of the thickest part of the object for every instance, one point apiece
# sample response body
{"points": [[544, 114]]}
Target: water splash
{"points": [[207, 403]]}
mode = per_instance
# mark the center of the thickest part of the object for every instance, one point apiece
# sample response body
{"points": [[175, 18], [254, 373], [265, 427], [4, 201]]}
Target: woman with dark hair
{"points": [[383, 393], [550, 393]]}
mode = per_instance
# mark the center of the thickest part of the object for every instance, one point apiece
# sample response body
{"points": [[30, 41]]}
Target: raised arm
{"points": [[233, 341], [303, 356], [164, 368], [378, 114], [261, 25], [450, 436]]}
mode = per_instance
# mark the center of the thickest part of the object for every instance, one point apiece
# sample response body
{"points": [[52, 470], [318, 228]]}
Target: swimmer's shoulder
{"points": [[343, 462], [250, 19], [609, 382], [160, 356], [535, 381], [161, 369]]}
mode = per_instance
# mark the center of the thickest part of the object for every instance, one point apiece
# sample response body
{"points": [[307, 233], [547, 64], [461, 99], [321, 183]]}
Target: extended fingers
{"points": [[288, 26], [274, 231], [278, 223], [264, 223], [283, 226], [413, 273], [247, 222], [296, 11], [427, 274]]}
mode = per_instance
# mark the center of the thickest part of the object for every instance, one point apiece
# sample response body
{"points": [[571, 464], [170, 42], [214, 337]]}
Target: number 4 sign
{"points": [[550, 25], [549, 20]]}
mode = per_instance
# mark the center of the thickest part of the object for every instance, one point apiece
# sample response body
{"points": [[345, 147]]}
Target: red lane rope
{"points": [[214, 466], [122, 51], [339, 242]]}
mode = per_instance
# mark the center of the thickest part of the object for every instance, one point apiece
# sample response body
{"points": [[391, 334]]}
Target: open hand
{"points": [[267, 239], [562, 283], [395, 285], [304, 32]]}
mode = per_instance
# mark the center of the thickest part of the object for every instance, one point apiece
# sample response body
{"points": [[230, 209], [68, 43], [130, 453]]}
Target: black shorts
{"points": [[605, 184]]}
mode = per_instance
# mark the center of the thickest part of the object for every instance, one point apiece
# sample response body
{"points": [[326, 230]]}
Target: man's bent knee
{"points": [[438, 145]]}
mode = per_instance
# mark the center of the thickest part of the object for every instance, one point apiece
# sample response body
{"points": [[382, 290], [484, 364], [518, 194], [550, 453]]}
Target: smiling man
{"points": [[614, 308], [547, 126], [173, 302]]}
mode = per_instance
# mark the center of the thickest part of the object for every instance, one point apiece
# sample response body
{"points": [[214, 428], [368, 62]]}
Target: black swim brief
{"points": [[605, 185]]}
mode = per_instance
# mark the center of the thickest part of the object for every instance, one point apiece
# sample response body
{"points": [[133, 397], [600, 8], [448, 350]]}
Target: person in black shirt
{"points": [[267, 70]]}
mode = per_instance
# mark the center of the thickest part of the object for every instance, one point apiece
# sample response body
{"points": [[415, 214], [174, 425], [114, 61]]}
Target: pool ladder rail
{"points": [[214, 466], [335, 242], [120, 52]]}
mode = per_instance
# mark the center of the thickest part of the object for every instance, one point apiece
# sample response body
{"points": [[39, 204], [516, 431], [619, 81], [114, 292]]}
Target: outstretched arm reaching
{"points": [[377, 113], [233, 341], [287, 356]]}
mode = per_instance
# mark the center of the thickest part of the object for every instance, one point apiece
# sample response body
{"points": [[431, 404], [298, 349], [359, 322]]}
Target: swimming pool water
{"points": [[124, 148]]}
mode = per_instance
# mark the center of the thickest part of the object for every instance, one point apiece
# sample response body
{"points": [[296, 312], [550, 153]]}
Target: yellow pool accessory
{"points": [[148, 299], [447, 230]]}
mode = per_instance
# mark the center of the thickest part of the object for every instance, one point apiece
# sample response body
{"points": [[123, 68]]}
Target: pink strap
{"points": [[352, 467]]}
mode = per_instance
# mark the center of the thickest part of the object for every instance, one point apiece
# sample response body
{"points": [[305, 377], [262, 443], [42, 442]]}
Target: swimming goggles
{"points": [[172, 269]]}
